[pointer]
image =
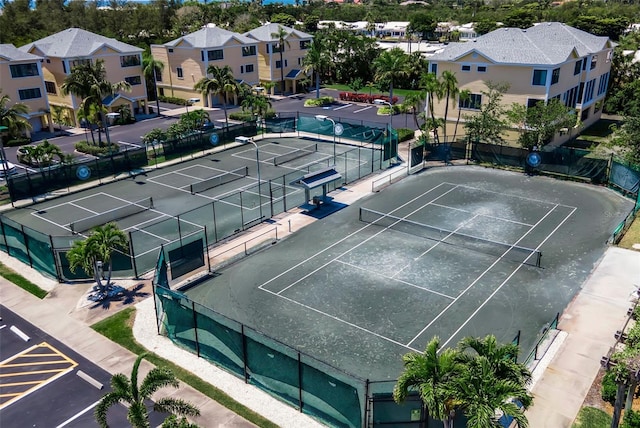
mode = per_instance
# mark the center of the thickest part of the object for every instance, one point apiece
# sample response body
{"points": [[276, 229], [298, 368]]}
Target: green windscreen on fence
{"points": [[16, 240], [178, 318], [625, 177], [41, 253], [186, 258], [273, 367], [220, 340]]}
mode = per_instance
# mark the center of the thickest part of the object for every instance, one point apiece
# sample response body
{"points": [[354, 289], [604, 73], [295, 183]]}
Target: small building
{"points": [[64, 50], [21, 80]]}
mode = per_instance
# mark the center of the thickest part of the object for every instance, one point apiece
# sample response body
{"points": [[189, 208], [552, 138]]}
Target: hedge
{"points": [[364, 98]]}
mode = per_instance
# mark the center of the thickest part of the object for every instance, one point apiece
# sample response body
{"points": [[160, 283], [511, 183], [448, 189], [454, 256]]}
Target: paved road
{"points": [[40, 385]]}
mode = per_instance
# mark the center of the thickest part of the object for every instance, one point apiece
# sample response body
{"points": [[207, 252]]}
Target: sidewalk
{"points": [[588, 326]]}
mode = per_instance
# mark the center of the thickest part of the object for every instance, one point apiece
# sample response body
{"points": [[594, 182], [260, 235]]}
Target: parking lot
{"points": [[43, 383]]}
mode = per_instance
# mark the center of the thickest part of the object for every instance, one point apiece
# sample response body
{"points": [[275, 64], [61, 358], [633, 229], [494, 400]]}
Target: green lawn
{"points": [[590, 417], [20, 281], [118, 329], [632, 236]]}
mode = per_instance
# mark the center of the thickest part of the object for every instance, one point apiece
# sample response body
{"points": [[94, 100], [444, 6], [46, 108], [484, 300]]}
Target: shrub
{"points": [[90, 149], [19, 141], [173, 100], [609, 387], [633, 336], [631, 419], [319, 102], [405, 134], [364, 98], [243, 116]]}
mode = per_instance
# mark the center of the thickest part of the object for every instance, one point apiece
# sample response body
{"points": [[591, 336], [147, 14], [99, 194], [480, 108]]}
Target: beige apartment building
{"points": [[187, 58], [21, 80], [271, 67], [68, 48], [548, 60]]}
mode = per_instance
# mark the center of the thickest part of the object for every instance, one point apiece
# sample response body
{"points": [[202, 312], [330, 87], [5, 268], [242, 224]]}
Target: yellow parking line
{"points": [[29, 373], [29, 382], [9, 395], [40, 363]]}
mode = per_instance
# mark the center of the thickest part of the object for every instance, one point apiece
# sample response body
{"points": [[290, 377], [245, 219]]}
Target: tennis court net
{"points": [[219, 180], [111, 215], [514, 253], [278, 160]]}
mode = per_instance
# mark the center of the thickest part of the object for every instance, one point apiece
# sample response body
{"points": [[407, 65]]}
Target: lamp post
{"points": [[259, 180], [323, 118]]}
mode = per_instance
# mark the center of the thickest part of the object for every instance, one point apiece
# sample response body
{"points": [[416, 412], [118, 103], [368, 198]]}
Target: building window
{"points": [[434, 68], [277, 47], [604, 82], [594, 62], [539, 78], [577, 67], [304, 44], [215, 55], [64, 67], [242, 69], [531, 102], [482, 69], [278, 64], [473, 103], [555, 76], [129, 60], [29, 94], [571, 97], [161, 91], [588, 91], [466, 68], [133, 80], [585, 114], [248, 51], [50, 87], [170, 50], [77, 62], [179, 71], [24, 70], [158, 76], [248, 68]]}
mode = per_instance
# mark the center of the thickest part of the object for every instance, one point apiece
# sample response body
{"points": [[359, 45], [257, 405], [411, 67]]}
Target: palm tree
{"points": [[43, 155], [450, 90], [221, 84], [413, 101], [316, 60], [433, 88], [88, 81], [151, 68], [463, 96], [430, 374], [135, 396], [281, 36], [13, 116], [96, 250], [390, 66]]}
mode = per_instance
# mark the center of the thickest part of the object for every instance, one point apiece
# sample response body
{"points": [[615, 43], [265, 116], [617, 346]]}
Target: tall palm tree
{"points": [[88, 81], [316, 60], [463, 96], [433, 87], [390, 66], [221, 84], [98, 248], [430, 374], [450, 90], [281, 37], [128, 391], [501, 357], [13, 116], [151, 68]]}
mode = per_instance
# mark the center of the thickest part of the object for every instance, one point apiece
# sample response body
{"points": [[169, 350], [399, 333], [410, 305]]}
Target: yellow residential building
{"points": [[68, 48], [21, 80], [546, 61], [187, 58], [277, 63]]}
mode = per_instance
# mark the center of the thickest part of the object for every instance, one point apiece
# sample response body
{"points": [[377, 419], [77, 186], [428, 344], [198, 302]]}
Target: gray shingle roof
{"points": [[75, 42], [11, 53], [210, 37], [547, 43], [264, 33]]}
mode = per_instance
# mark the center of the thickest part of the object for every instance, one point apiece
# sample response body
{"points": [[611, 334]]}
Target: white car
{"points": [[6, 168]]}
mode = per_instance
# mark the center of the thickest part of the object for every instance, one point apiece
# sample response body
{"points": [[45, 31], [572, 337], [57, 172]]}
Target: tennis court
{"points": [[452, 252], [213, 196]]}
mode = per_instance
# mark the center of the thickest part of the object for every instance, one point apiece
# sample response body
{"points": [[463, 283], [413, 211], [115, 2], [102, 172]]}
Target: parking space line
{"points": [[362, 109], [341, 107], [77, 415]]}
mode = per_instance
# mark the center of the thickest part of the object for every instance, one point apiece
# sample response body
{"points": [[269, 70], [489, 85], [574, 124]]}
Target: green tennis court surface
{"points": [[359, 294]]}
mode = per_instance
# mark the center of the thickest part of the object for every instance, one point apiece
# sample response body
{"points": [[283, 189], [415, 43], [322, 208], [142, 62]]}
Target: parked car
{"points": [[23, 153]]}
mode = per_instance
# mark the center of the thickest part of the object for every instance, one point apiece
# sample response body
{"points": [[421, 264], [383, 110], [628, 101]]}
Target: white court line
{"points": [[435, 245], [475, 281], [341, 107], [158, 212], [505, 281], [353, 247], [395, 279], [77, 415], [484, 215], [512, 196], [395, 342], [82, 208], [340, 241], [362, 109]]}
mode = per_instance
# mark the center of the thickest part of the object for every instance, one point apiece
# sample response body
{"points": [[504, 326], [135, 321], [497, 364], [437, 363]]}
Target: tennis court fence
{"points": [[313, 387]]}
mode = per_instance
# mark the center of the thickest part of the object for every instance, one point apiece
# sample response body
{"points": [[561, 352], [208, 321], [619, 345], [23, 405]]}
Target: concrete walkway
{"points": [[588, 325]]}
